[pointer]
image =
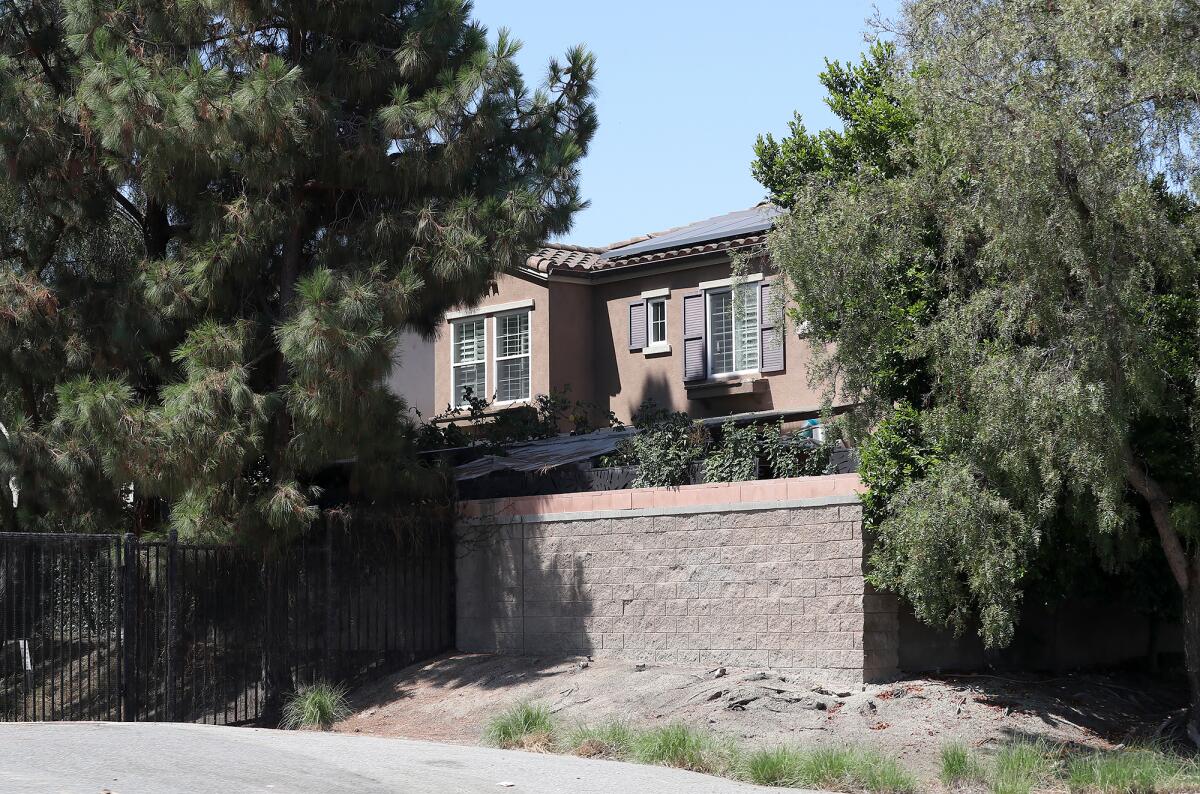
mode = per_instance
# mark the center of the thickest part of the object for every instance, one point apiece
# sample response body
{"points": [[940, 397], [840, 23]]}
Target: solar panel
{"points": [[733, 224]]}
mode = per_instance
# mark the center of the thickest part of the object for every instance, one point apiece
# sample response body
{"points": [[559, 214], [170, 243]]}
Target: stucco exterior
{"points": [[580, 344]]}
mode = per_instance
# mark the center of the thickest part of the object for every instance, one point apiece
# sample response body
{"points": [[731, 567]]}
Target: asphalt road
{"points": [[131, 758]]}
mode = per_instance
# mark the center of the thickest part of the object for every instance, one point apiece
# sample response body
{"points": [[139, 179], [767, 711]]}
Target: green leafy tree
{"points": [[1047, 199], [216, 218]]}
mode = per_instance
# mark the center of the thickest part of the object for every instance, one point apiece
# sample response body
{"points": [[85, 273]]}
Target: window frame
{"points": [[456, 399], [651, 342], [527, 355], [709, 348]]}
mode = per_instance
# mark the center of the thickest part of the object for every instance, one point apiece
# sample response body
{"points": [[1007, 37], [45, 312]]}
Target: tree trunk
{"points": [[1191, 653], [1185, 569]]}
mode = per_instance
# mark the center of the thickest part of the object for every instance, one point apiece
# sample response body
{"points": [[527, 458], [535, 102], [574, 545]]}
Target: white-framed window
{"points": [[468, 358], [512, 356], [733, 329], [656, 321]]}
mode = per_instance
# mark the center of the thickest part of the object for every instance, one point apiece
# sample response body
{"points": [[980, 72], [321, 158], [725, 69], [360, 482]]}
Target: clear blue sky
{"points": [[684, 89]]}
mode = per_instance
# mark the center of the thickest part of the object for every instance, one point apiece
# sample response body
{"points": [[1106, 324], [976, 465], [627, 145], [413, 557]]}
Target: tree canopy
{"points": [[1030, 247], [215, 220]]}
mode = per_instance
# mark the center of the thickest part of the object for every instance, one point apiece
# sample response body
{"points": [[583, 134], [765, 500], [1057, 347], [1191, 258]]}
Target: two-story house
{"points": [[661, 316]]}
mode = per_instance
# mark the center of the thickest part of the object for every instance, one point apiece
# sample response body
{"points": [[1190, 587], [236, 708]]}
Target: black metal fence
{"points": [[105, 627]]}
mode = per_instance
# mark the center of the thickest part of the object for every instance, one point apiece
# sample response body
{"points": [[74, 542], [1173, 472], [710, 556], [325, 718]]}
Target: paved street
{"points": [[137, 758]]}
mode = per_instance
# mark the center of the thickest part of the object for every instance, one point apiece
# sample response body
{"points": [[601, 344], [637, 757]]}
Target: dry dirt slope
{"points": [[451, 698]]}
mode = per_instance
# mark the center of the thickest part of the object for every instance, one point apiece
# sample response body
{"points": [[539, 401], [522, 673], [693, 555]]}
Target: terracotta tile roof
{"points": [[725, 232]]}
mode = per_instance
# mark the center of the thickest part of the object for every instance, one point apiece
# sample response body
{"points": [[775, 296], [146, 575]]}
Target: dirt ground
{"points": [[451, 698]]}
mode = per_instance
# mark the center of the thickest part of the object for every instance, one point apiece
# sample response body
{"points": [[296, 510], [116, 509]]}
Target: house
{"points": [[658, 317]]}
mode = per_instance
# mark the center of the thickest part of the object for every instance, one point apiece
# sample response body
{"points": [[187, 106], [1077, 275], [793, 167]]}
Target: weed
{"points": [[610, 740], [1021, 766], [1138, 770], [679, 746], [317, 706], [525, 726], [835, 769], [960, 766]]}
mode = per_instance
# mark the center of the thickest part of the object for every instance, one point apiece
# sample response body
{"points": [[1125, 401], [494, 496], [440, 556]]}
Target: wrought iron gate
{"points": [[104, 627]]}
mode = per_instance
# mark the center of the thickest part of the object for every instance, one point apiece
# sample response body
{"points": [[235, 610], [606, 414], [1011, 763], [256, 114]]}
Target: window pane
{"points": [[468, 376], [512, 379], [658, 321], [512, 334], [468, 343], [720, 331], [746, 319]]}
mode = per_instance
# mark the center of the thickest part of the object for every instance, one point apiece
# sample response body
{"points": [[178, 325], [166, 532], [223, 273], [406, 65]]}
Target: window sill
{"points": [[660, 349], [748, 383]]}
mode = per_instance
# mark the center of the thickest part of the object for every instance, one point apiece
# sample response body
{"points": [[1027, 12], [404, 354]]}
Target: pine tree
{"points": [[215, 219]]}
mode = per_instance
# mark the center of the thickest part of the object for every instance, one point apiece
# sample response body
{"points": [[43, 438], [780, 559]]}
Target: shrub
{"points": [[317, 706], [610, 740], [1140, 770], [679, 746], [666, 446], [525, 726], [735, 458]]}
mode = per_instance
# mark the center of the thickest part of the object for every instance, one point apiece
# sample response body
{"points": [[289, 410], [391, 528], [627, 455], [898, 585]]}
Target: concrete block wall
{"points": [[763, 574]]}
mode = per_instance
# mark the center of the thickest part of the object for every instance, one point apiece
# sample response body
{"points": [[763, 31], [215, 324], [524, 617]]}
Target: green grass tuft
{"points": [[679, 746], [609, 740], [317, 706], [833, 769], [1138, 770], [1021, 766], [960, 766], [525, 726]]}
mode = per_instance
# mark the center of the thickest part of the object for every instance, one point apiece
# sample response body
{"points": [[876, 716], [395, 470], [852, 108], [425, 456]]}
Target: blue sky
{"points": [[684, 89]]}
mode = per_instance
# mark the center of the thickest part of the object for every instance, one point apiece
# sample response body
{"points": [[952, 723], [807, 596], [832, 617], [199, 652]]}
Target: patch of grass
{"points": [[317, 706], [1021, 766], [679, 746], [960, 766], [525, 726], [1138, 770], [834, 769], [609, 740]]}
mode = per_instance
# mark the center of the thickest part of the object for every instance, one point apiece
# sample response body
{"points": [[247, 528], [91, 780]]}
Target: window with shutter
{"points": [[733, 329]]}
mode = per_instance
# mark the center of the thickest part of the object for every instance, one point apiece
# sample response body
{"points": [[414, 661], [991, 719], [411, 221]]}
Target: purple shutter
{"points": [[771, 331], [693, 337], [637, 325]]}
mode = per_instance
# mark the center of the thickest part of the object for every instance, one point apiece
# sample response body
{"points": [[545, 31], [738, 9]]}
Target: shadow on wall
{"points": [[523, 590]]}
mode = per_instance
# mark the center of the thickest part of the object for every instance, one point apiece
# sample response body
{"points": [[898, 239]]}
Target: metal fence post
{"points": [[169, 687], [129, 574]]}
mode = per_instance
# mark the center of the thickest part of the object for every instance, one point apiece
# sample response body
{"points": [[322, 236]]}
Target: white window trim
{"points": [[456, 400], [729, 282], [499, 308], [665, 292], [496, 358], [655, 345], [708, 346]]}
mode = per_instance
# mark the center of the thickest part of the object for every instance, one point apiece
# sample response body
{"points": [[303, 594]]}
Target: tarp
{"points": [[545, 454]]}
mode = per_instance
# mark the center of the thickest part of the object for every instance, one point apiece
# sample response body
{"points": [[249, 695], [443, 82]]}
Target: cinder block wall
{"points": [[762, 574]]}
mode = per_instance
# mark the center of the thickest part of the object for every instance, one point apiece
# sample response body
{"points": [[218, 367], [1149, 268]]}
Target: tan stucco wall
{"points": [[414, 373], [624, 378], [580, 340]]}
